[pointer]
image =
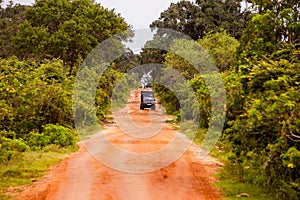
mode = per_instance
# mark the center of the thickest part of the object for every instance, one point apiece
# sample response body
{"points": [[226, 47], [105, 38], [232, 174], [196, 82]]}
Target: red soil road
{"points": [[82, 177]]}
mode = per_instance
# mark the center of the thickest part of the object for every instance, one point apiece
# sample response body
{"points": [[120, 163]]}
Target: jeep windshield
{"points": [[148, 98]]}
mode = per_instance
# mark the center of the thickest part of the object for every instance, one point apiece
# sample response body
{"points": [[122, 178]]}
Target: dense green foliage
{"points": [[222, 48], [10, 147], [65, 29], [40, 46], [204, 16], [52, 134], [261, 76], [264, 132], [257, 55], [34, 94], [265, 136]]}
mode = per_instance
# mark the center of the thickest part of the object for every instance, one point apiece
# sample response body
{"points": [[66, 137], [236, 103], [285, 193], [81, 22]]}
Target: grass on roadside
{"points": [[232, 190], [29, 166]]}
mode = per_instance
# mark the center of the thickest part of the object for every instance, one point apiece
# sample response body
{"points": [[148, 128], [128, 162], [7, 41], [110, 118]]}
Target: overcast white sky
{"points": [[139, 13]]}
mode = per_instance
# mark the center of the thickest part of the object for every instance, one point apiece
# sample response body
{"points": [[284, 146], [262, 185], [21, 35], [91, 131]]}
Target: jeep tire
{"points": [[141, 107]]}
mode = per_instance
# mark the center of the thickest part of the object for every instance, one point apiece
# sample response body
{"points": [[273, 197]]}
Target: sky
{"points": [[139, 13]]}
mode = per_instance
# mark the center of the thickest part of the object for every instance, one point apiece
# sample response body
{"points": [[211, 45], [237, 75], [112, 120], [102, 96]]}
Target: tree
{"points": [[263, 131], [222, 48], [10, 18], [224, 15], [183, 16], [126, 62], [206, 15], [65, 29], [267, 130], [271, 29]]}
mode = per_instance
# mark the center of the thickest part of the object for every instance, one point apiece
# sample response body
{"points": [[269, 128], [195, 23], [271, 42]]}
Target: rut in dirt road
{"points": [[100, 169]]}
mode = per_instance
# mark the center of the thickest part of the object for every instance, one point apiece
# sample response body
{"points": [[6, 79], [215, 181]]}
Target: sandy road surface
{"points": [[82, 176]]}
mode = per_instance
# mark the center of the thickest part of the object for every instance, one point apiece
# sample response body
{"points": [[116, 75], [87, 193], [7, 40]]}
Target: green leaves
{"points": [[273, 28], [221, 47], [64, 29], [51, 134], [269, 122], [197, 19], [30, 37], [291, 158], [34, 94]]}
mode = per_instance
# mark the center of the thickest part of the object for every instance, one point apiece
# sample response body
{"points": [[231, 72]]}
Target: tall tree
{"points": [[183, 16], [65, 29], [276, 25], [204, 16], [224, 14]]}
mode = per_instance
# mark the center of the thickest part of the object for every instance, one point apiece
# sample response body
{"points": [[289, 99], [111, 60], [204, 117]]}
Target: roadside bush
{"points": [[10, 147], [37, 140], [51, 135], [33, 94], [59, 135], [264, 133]]}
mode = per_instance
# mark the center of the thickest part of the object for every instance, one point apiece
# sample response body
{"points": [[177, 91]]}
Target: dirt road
{"points": [[94, 171]]}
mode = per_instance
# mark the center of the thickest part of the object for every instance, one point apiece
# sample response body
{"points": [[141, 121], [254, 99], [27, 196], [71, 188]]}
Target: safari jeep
{"points": [[147, 100]]}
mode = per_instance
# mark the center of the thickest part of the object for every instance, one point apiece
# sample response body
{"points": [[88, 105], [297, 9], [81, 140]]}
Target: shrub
{"points": [[52, 134], [37, 140], [9, 148]]}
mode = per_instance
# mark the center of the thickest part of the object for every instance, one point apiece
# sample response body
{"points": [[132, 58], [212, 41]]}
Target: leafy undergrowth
{"points": [[29, 166], [234, 190], [231, 187]]}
